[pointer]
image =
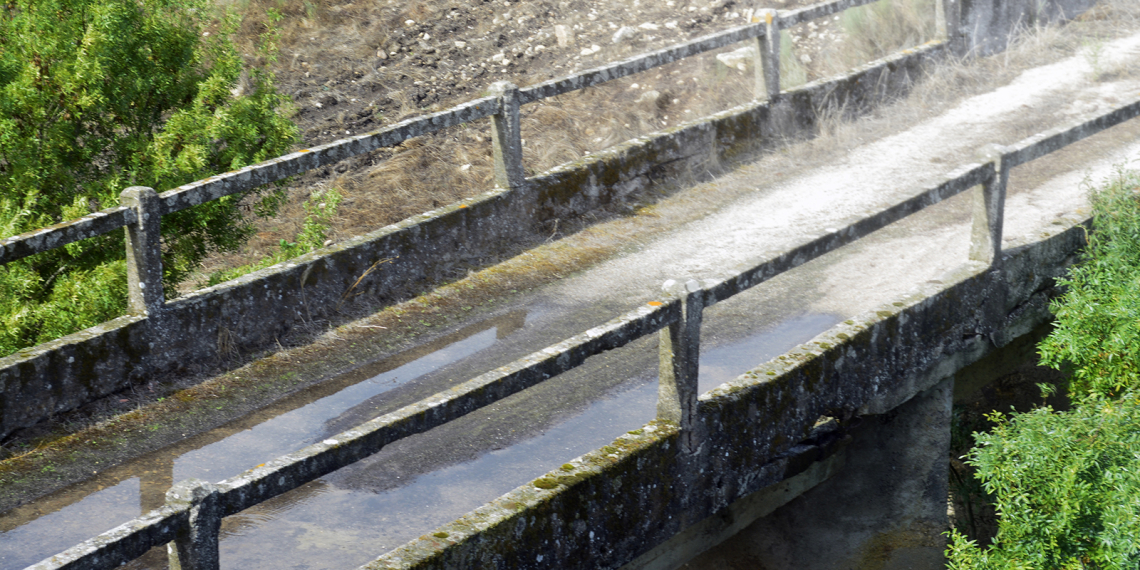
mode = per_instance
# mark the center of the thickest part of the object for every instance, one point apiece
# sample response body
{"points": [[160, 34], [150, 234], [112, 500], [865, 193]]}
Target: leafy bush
{"points": [[1067, 488], [1097, 330], [99, 95], [1067, 484]]}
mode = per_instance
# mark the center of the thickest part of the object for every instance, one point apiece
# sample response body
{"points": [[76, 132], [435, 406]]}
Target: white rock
{"points": [[460, 44], [672, 24], [623, 34], [651, 97], [409, 22], [562, 34], [498, 58], [805, 58], [649, 26], [738, 59]]}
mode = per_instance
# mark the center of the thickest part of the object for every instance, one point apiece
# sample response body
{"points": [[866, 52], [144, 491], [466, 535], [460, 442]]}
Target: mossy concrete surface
{"points": [[615, 504], [401, 260]]}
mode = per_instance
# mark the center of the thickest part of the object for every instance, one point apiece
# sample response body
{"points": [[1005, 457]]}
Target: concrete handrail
{"points": [[250, 177], [191, 518], [676, 318]]}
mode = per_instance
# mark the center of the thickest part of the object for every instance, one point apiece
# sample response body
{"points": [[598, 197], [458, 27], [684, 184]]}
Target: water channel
{"points": [[409, 488]]}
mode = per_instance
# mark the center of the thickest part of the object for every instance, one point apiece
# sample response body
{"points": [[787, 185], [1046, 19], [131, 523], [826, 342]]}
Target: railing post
{"points": [[989, 209], [506, 138], [947, 23], [680, 351], [196, 545], [768, 55], [144, 252]]}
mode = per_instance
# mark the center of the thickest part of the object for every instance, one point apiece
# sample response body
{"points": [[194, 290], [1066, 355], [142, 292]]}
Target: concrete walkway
{"points": [[774, 208]]}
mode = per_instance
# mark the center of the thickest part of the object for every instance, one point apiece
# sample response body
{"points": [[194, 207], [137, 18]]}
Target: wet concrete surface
{"points": [[412, 486], [409, 488]]}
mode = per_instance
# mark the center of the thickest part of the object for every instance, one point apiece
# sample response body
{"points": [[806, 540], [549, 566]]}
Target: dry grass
{"points": [[393, 184], [278, 374]]}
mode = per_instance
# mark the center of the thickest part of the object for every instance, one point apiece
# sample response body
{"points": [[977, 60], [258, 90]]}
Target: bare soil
{"points": [[148, 417], [356, 67]]}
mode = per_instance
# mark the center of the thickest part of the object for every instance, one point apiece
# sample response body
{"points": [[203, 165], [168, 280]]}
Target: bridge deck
{"points": [[744, 216]]}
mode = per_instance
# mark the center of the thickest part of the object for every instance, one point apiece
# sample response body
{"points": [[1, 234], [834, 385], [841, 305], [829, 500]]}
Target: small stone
{"points": [[652, 100], [649, 26], [460, 44], [563, 35], [380, 53], [738, 59], [624, 33]]}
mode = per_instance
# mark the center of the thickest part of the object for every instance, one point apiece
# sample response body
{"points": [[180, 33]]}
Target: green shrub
{"points": [[1097, 331], [1066, 485], [99, 95]]}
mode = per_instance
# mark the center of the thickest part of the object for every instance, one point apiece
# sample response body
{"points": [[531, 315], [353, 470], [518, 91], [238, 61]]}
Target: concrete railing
{"points": [[191, 518], [252, 311]]}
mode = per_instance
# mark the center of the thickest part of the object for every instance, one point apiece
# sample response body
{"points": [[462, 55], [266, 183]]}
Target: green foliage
{"points": [[1067, 484], [99, 95], [1097, 331], [1066, 487], [320, 209]]}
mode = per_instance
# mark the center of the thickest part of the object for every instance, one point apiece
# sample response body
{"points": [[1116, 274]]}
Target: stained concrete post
{"points": [[144, 252], [948, 23], [680, 351], [886, 509], [768, 54], [989, 209], [196, 545], [506, 137]]}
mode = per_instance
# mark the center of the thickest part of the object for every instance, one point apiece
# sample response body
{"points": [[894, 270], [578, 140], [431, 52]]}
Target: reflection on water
{"points": [[722, 363], [58, 521], [335, 527], [55, 531], [336, 522], [291, 431]]}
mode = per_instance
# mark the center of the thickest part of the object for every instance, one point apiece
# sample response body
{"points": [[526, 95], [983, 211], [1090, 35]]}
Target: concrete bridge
{"points": [[852, 425]]}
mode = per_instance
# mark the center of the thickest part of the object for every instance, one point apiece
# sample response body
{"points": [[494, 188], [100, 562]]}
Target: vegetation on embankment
{"points": [[1066, 484], [100, 95]]}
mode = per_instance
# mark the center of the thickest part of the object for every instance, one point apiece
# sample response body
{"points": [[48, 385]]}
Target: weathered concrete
{"points": [[59, 235], [820, 463], [885, 510], [740, 437], [144, 254], [986, 26], [653, 489], [397, 261]]}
